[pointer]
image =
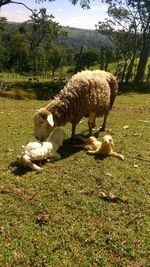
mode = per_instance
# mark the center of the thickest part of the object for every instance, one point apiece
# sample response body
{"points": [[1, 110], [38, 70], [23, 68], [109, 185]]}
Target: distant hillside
{"points": [[76, 38], [88, 38]]}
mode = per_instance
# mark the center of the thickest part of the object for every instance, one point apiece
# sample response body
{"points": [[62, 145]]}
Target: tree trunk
{"points": [[148, 75], [124, 70], [106, 65], [34, 65], [78, 64], [130, 68], [102, 58], [143, 59]]}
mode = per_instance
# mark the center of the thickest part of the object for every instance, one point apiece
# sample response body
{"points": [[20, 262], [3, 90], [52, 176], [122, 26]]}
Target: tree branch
{"points": [[20, 3], [17, 3]]}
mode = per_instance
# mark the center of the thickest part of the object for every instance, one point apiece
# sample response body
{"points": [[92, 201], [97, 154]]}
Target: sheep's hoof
{"points": [[101, 129], [38, 169], [121, 157]]}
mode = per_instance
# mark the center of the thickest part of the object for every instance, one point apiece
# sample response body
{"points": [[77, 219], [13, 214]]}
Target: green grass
{"points": [[84, 229]]}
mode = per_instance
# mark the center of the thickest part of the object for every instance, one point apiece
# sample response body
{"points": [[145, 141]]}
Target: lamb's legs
{"points": [[116, 155], [26, 161], [92, 152], [112, 153], [33, 166]]}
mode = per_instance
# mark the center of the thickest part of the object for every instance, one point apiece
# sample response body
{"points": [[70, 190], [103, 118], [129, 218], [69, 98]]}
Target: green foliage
{"points": [[83, 3], [83, 229], [43, 27], [3, 24], [90, 39], [127, 28], [56, 58], [134, 16], [88, 58], [26, 45]]}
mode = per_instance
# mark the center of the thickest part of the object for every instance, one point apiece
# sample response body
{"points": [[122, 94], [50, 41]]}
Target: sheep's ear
{"points": [[50, 120]]}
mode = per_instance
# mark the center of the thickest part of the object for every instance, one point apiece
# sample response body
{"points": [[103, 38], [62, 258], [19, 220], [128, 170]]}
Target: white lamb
{"points": [[35, 151]]}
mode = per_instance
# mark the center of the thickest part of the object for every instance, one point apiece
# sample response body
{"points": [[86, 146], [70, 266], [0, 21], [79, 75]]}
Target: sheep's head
{"points": [[43, 124]]}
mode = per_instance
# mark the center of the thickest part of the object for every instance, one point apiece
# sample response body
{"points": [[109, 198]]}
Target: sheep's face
{"points": [[43, 124]]}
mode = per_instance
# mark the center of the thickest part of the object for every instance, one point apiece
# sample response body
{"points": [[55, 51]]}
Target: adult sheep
{"points": [[87, 94]]}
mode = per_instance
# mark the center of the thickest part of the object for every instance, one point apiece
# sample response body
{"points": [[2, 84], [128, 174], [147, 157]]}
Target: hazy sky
{"points": [[64, 12]]}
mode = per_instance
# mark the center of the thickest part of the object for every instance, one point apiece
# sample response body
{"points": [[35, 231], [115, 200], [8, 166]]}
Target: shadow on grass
{"points": [[19, 170], [35, 90], [141, 88], [47, 90], [69, 149]]}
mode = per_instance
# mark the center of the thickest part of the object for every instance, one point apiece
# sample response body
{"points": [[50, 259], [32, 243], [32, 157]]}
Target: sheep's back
{"points": [[90, 91], [86, 91]]}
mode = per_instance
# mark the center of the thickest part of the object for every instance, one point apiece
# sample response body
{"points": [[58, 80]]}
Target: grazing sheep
{"points": [[95, 147], [87, 94], [35, 151]]}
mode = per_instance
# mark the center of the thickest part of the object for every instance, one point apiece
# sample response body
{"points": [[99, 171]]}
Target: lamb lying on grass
{"points": [[36, 151], [94, 147]]}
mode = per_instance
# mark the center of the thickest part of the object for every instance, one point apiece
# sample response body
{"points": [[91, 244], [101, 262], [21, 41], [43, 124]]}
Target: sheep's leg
{"points": [[54, 157], [101, 129], [73, 130], [91, 122]]}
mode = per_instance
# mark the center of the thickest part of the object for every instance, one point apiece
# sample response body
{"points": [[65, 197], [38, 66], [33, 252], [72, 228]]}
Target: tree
{"points": [[87, 58], [3, 31], [39, 28], [106, 57], [20, 51], [40, 60], [141, 11], [6, 2], [125, 28], [56, 58]]}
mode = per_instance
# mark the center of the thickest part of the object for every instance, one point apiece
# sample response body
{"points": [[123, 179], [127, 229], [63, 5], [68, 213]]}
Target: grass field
{"points": [[60, 217]]}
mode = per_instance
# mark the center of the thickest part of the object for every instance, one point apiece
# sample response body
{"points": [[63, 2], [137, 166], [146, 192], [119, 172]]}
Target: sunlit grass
{"points": [[83, 229]]}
